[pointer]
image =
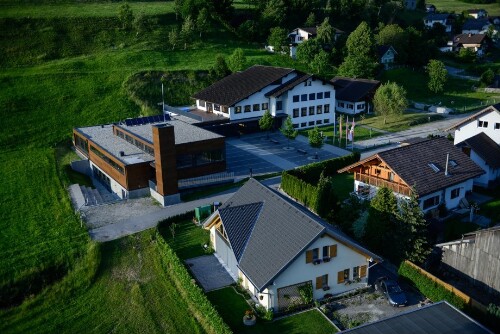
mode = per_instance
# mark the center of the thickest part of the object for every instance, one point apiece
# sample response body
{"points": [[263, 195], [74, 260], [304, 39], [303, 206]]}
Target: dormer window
{"points": [[434, 167]]}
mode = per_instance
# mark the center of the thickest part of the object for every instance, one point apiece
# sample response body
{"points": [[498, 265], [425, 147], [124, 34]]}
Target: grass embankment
{"points": [[131, 293], [232, 307], [458, 93], [458, 6]]}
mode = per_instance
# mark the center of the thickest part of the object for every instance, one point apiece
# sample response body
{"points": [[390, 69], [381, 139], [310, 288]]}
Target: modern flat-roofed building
{"points": [[149, 155]]}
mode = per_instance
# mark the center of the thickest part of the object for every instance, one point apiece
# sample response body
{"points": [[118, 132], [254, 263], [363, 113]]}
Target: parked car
{"points": [[390, 288]]}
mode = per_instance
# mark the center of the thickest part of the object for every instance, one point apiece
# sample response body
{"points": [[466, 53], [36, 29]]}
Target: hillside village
{"points": [[267, 166]]}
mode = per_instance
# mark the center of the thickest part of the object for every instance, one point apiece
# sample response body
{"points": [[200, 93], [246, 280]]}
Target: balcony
{"points": [[379, 182]]}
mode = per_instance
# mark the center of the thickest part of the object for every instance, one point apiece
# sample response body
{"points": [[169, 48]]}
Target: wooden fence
{"points": [[465, 297]]}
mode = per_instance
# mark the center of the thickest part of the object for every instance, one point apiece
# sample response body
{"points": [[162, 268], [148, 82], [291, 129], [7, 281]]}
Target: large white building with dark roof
{"points": [[245, 96]]}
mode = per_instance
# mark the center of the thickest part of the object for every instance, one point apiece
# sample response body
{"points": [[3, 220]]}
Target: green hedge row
{"points": [[200, 307], [428, 287], [302, 191], [311, 173]]}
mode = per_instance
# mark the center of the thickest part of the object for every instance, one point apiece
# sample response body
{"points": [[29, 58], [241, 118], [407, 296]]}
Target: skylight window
{"points": [[434, 167], [453, 163]]}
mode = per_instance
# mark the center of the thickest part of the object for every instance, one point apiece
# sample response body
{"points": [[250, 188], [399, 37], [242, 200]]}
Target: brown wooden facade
{"points": [[376, 173]]}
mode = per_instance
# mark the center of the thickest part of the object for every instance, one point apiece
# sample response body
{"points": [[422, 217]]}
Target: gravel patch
{"points": [[102, 215]]}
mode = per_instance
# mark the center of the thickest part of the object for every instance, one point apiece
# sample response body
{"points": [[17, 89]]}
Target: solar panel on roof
{"points": [[151, 119], [156, 118], [140, 121], [128, 122], [133, 122]]}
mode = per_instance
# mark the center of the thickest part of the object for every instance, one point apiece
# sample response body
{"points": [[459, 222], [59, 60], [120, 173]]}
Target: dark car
{"points": [[391, 290]]}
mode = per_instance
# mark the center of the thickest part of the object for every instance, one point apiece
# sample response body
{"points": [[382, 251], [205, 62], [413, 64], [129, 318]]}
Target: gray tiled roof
{"points": [[486, 148], [438, 16], [438, 318], [278, 91], [354, 90], [475, 24], [411, 163], [238, 86], [274, 235]]}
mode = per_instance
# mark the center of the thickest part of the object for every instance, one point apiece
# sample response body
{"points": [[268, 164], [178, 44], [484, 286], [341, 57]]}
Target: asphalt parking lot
{"points": [[266, 155]]}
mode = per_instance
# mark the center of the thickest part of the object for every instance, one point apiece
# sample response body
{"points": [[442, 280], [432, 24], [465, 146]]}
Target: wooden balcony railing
{"points": [[379, 182]]}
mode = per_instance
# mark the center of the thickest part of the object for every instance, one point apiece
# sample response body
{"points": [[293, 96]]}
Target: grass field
{"points": [[458, 6], [458, 93], [131, 293], [188, 239], [232, 307]]}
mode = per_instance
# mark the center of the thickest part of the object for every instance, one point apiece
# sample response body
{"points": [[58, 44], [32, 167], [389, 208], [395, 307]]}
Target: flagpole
{"points": [[346, 131]]}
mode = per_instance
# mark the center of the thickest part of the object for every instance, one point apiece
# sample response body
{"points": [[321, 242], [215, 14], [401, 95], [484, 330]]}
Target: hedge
{"points": [[428, 287], [200, 307], [302, 183]]}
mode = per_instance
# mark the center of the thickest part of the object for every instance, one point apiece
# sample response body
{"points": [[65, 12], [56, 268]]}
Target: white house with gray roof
{"points": [[245, 96], [277, 247]]}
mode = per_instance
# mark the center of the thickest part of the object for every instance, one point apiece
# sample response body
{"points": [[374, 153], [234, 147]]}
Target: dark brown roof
{"points": [[301, 77], [354, 90], [469, 39], [238, 86], [411, 163], [486, 148], [495, 107], [311, 30]]}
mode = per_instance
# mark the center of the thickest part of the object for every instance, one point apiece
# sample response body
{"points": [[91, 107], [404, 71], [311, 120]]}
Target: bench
{"points": [[301, 151]]}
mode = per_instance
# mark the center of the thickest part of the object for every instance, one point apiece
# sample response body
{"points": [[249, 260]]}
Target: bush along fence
{"points": [[200, 307], [312, 184]]}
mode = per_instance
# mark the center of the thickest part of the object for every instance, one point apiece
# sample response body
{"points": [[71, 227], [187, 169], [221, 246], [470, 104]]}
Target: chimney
{"points": [[446, 169], [470, 35], [122, 153]]}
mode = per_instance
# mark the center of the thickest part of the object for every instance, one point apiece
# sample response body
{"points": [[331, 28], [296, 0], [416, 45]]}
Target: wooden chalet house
{"points": [[419, 165]]}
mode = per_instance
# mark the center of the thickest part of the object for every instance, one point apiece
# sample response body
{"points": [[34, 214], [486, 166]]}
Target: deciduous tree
{"points": [[126, 16], [278, 39], [390, 100], [220, 69], [321, 62], [437, 75], [325, 32], [187, 31], [315, 138], [203, 21], [381, 218], [237, 60], [288, 130], [395, 36], [266, 122], [307, 50], [173, 38], [311, 20], [360, 61]]}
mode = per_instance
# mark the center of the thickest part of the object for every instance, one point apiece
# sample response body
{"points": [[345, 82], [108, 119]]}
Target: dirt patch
{"points": [[102, 215]]}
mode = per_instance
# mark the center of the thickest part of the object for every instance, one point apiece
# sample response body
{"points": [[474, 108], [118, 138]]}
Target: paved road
{"points": [[458, 73], [140, 223], [436, 128]]}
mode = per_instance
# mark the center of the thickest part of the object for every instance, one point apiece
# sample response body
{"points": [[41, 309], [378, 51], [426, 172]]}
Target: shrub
{"points": [[428, 287], [199, 305]]}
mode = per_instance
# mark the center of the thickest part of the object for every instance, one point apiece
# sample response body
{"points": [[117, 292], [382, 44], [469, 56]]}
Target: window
{"points": [[341, 104], [350, 106], [202, 104], [209, 157], [303, 111], [497, 126], [303, 124], [430, 202], [319, 122], [256, 107], [311, 123], [295, 98], [295, 112], [355, 273], [184, 160], [279, 105], [343, 276], [319, 96], [217, 107], [322, 282], [312, 96], [295, 126], [361, 106], [311, 111], [237, 110], [327, 108], [434, 167], [307, 83], [377, 172], [209, 106], [107, 159], [327, 95], [391, 176], [326, 121], [82, 143], [482, 124], [455, 193], [319, 109], [329, 251], [225, 109], [247, 108], [265, 106], [303, 97]]}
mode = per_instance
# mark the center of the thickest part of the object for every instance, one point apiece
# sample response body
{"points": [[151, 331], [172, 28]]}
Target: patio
{"points": [[209, 272]]}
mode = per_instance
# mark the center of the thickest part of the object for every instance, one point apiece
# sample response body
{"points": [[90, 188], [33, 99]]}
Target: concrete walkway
{"points": [[458, 73], [150, 220], [422, 131], [327, 147], [263, 154]]}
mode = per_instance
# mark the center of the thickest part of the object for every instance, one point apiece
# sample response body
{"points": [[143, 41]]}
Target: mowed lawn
{"points": [[458, 6], [131, 293], [232, 306], [187, 240]]}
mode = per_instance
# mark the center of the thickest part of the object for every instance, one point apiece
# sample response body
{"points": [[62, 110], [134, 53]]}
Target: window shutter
{"points": [[333, 250], [309, 256], [362, 271], [319, 282], [340, 277]]}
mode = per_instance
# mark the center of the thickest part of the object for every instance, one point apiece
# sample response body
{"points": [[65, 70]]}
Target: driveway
{"points": [[209, 272]]}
